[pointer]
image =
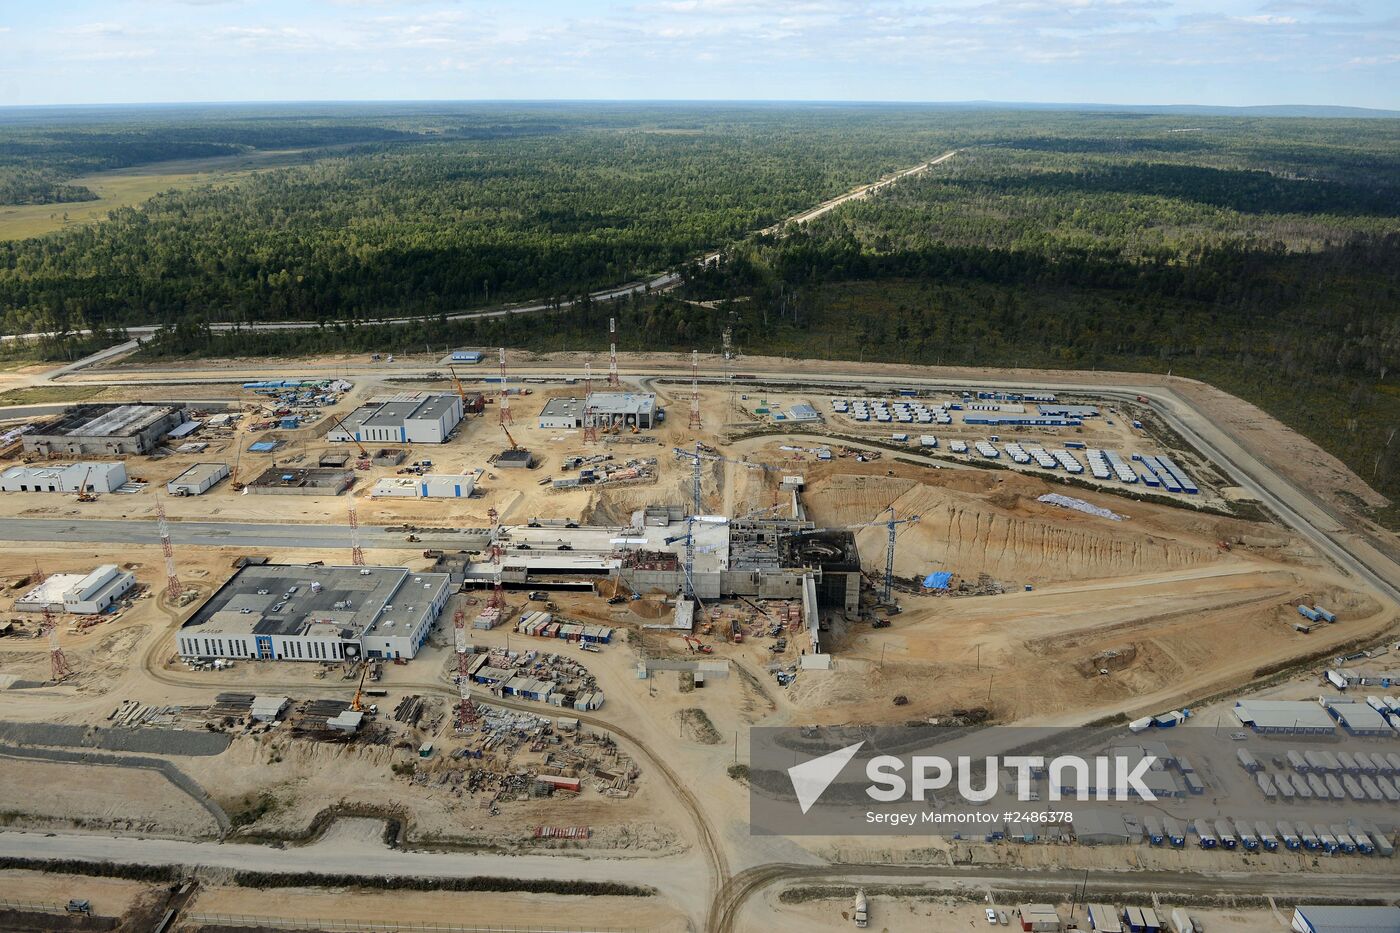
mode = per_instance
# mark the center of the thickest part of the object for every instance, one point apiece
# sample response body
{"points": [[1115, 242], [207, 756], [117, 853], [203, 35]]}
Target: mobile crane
{"points": [[85, 493], [364, 454]]}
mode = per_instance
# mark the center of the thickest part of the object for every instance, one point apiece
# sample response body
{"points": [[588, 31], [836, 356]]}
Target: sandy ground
{"points": [[99, 798], [516, 909], [1282, 448], [110, 897], [1153, 599]]}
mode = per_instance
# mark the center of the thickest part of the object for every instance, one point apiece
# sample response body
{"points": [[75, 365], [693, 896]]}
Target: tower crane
{"points": [[891, 524], [697, 456]]}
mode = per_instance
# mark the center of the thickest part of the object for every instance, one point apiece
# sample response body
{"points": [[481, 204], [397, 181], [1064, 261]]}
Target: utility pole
{"points": [[613, 381]]}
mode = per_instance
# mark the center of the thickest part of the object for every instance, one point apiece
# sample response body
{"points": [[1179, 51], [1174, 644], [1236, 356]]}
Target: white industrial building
{"points": [[83, 594], [428, 486], [293, 612], [408, 418], [197, 480], [622, 409], [76, 477], [1291, 717], [1308, 918]]}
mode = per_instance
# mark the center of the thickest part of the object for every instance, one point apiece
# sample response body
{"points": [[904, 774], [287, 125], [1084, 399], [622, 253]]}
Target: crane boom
{"points": [[351, 434], [513, 444]]}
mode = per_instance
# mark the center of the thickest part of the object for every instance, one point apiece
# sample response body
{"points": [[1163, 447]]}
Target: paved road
{"points": [[226, 534]]}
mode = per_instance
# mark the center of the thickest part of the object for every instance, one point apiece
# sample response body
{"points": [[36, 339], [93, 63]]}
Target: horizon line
{"points": [[973, 103]]}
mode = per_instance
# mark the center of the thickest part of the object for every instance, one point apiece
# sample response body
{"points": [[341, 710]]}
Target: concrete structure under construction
{"points": [[86, 430], [294, 612], [84, 594], [620, 409], [198, 479], [315, 481], [407, 418], [758, 559], [74, 478]]}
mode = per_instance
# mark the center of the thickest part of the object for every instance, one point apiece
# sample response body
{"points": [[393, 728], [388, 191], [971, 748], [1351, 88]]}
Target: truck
{"points": [[861, 913], [1182, 922], [1176, 833]]}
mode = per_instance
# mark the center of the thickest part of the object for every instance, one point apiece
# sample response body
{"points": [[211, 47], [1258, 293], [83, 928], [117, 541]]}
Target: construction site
{"points": [[520, 624]]}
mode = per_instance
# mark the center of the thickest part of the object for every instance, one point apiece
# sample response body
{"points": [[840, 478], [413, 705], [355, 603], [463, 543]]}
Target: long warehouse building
{"points": [[295, 612]]}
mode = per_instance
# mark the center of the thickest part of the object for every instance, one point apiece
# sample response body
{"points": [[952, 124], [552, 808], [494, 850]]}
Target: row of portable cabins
{"points": [[1348, 838], [542, 625], [1162, 471], [1227, 834], [1324, 762], [1327, 776], [1365, 787]]}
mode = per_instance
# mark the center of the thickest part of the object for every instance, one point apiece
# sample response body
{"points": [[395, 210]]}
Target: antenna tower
{"points": [[58, 664], [357, 553], [466, 709], [173, 587], [494, 549], [505, 398], [694, 390], [590, 419]]}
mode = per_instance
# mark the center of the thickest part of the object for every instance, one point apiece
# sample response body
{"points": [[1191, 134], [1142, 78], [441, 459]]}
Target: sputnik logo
{"points": [[811, 778]]}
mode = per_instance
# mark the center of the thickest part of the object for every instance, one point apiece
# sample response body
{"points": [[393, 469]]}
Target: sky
{"points": [[1221, 52]]}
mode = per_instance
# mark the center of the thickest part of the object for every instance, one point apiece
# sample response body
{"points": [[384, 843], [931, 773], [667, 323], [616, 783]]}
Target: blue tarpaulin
{"points": [[938, 581]]}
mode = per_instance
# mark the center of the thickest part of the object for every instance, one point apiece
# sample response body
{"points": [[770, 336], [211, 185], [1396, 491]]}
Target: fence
{"points": [[27, 907], [360, 926]]}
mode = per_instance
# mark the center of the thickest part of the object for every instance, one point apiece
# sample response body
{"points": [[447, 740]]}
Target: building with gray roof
{"points": [[407, 418], [299, 612]]}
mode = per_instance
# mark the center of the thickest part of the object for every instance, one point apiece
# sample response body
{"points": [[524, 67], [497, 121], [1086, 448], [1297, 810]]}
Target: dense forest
{"points": [[1260, 254]]}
